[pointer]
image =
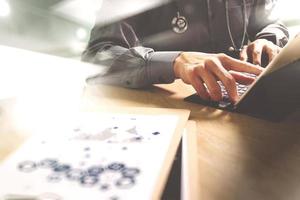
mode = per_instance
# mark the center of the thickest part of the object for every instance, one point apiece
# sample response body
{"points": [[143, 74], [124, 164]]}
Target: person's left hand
{"points": [[254, 52]]}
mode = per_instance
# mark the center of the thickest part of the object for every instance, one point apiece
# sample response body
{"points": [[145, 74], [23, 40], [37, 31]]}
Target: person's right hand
{"points": [[203, 70]]}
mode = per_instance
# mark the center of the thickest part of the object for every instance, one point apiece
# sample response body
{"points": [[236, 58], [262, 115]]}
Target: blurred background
{"points": [[62, 27]]}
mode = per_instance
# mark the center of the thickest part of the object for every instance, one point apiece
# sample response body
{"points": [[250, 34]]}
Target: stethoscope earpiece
{"points": [[179, 24]]}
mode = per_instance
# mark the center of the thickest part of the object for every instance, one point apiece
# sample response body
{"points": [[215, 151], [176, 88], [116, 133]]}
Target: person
{"points": [[199, 41]]}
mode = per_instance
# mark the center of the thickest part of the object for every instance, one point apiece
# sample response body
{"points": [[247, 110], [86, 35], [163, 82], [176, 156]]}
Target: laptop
{"points": [[273, 95]]}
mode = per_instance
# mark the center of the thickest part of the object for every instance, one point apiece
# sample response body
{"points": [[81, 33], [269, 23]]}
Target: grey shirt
{"points": [[139, 51]]}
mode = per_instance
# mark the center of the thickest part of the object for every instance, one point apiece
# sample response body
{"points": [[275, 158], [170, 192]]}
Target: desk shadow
{"points": [[156, 96], [200, 112]]}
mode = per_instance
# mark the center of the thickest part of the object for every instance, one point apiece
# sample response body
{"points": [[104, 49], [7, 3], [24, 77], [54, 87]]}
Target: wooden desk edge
{"points": [[189, 170]]}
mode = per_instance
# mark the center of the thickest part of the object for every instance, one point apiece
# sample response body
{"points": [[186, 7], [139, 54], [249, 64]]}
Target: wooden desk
{"points": [[239, 157]]}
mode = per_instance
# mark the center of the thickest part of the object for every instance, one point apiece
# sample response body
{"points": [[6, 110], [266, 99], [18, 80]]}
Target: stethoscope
{"points": [[180, 25]]}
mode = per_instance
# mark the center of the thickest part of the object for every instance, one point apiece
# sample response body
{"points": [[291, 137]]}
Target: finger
{"points": [[239, 66], [256, 54], [242, 78], [243, 54], [271, 52], [211, 83], [200, 88], [224, 76], [249, 52]]}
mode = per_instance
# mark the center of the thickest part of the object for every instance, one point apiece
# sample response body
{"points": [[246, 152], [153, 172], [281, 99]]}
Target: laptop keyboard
{"points": [[241, 89], [225, 102]]}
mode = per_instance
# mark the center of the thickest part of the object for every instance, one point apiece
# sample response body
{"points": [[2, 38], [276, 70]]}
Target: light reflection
{"points": [[77, 47], [288, 10], [81, 33], [4, 8], [47, 106]]}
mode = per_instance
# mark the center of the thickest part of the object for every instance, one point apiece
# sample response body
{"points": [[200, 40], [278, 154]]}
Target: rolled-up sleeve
{"points": [[126, 63], [277, 33]]}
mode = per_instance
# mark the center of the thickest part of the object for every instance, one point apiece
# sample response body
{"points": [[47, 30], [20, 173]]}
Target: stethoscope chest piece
{"points": [[179, 24]]}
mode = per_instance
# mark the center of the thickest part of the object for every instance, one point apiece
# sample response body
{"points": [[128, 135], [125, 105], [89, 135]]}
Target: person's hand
{"points": [[203, 71], [254, 52]]}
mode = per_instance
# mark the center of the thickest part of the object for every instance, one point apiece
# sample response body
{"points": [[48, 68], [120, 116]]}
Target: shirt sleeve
{"points": [[264, 24], [125, 62]]}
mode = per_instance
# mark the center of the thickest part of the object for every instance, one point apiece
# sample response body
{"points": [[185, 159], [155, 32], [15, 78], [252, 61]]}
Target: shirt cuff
{"points": [[160, 66]]}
